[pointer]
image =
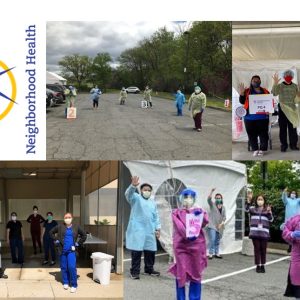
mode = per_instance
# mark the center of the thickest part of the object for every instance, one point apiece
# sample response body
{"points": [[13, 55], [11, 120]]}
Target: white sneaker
{"points": [[73, 289], [260, 153], [66, 286], [255, 153]]}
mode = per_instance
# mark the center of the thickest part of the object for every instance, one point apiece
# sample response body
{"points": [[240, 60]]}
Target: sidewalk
{"points": [[44, 283]]}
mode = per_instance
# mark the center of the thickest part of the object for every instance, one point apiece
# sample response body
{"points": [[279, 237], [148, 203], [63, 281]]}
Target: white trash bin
{"points": [[101, 267]]}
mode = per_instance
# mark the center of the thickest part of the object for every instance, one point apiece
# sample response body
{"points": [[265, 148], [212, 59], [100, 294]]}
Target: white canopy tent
{"points": [[262, 48], [54, 78], [169, 178]]}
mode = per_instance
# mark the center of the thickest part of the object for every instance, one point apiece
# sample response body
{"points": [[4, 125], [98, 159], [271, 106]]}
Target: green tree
{"points": [[100, 70], [76, 67]]}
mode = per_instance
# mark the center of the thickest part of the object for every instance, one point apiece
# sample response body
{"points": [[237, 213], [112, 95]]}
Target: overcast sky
{"points": [[90, 38]]}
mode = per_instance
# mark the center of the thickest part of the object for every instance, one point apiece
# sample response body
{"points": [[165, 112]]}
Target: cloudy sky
{"points": [[90, 38]]}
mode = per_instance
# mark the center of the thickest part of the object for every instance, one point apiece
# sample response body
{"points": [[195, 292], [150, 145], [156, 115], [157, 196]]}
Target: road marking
{"points": [[242, 271], [161, 254]]}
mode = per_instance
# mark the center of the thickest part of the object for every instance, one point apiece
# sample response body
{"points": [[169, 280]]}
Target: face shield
{"points": [[187, 199]]}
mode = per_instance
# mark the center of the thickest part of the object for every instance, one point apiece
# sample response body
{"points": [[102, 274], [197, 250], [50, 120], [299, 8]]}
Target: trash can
{"points": [[101, 267]]}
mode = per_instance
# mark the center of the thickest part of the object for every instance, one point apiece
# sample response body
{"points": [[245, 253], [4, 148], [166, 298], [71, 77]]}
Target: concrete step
{"points": [[45, 283]]}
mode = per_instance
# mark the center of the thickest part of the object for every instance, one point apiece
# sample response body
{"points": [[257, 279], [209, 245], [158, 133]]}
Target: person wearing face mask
{"points": [[15, 239], [95, 94], [288, 114], [291, 234], [189, 245], [123, 96], [147, 96], [179, 102], [260, 218], [68, 237], [256, 125], [47, 240], [215, 228], [197, 104], [143, 228], [35, 221], [291, 202]]}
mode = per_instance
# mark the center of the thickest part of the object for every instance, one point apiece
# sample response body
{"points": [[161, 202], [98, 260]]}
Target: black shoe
{"points": [[262, 269], [4, 276], [45, 262], [52, 263], [295, 148], [283, 148], [258, 269], [135, 276], [218, 256], [153, 273]]}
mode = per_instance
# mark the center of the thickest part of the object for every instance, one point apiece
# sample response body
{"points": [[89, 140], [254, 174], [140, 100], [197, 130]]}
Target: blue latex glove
{"points": [[57, 242], [193, 238], [295, 234], [197, 212]]}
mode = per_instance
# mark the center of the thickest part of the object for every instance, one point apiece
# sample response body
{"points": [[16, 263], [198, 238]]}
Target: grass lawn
{"points": [[211, 101]]}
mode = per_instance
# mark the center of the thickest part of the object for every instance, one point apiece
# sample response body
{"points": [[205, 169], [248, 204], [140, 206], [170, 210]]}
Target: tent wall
{"points": [[262, 49], [202, 177]]}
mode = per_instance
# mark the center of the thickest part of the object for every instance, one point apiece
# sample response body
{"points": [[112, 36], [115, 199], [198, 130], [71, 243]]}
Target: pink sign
{"points": [[193, 225]]}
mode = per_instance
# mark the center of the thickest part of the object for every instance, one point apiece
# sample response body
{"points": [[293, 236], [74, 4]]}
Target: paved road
{"points": [[248, 285], [240, 152], [129, 132]]}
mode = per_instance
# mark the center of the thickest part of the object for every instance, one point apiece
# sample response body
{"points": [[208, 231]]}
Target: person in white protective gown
{"points": [[143, 228]]}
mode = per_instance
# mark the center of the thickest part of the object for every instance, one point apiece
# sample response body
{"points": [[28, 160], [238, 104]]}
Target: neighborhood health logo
{"points": [[10, 99]]}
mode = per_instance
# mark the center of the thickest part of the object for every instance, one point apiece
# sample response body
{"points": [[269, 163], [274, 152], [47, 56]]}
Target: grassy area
{"points": [[211, 101]]}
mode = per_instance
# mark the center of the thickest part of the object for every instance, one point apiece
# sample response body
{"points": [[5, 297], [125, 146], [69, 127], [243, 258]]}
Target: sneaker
{"points": [[210, 256], [66, 286], [218, 256], [255, 153], [73, 289], [45, 262], [3, 276], [260, 153], [295, 148], [199, 129], [262, 269], [258, 269], [153, 273], [52, 263], [133, 276]]}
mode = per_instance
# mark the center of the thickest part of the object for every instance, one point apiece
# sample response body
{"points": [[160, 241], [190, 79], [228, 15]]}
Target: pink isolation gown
{"points": [[190, 256]]}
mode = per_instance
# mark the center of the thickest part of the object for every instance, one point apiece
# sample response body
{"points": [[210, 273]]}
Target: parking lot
{"points": [[232, 278], [130, 132]]}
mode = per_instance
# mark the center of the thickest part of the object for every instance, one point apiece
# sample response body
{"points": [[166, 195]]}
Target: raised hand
{"points": [[241, 89], [276, 78], [135, 180], [269, 208]]}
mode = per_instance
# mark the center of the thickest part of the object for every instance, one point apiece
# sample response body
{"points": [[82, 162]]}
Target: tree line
{"points": [[165, 61]]}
